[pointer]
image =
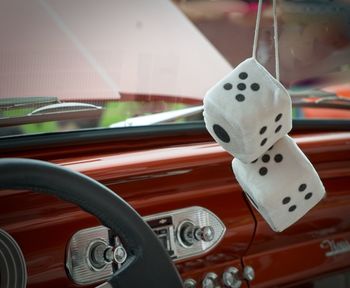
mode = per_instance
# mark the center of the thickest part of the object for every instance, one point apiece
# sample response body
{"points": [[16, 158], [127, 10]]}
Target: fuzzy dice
{"points": [[281, 184], [247, 111]]}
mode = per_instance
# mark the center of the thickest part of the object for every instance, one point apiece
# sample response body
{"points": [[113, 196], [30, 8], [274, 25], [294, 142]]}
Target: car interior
{"points": [[110, 175]]}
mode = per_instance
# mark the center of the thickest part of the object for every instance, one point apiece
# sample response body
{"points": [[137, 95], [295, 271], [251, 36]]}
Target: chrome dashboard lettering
{"points": [[335, 247]]}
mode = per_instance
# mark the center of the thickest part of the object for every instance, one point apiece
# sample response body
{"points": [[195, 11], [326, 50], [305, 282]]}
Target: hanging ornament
{"points": [[249, 113]]}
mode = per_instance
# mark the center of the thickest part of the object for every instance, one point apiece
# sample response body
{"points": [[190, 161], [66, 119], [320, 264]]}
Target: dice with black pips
{"points": [[247, 111], [281, 184]]}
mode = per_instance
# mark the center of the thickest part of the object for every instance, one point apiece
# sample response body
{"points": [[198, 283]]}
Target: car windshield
{"points": [[72, 65]]}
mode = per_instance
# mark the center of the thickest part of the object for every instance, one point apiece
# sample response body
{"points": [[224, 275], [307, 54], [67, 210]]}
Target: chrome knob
{"points": [[248, 273], [120, 255], [96, 254], [231, 278], [108, 255], [210, 281], [190, 283], [205, 233], [188, 233]]}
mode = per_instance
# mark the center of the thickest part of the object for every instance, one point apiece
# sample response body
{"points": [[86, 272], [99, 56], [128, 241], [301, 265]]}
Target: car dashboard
{"points": [[182, 184]]}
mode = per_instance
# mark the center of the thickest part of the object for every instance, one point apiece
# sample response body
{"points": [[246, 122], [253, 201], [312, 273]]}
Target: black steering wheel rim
{"points": [[148, 264]]}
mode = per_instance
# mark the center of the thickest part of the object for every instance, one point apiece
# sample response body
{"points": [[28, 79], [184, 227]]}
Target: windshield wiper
{"points": [[24, 102], [319, 99], [310, 93], [55, 112], [64, 108], [331, 102]]}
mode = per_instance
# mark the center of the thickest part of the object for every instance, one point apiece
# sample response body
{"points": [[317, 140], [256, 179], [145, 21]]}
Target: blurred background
{"points": [[132, 58], [314, 35]]}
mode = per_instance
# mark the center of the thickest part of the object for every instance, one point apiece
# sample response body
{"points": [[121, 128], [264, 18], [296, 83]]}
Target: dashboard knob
{"points": [[231, 278], [248, 273], [205, 233], [108, 255], [96, 254], [190, 283], [120, 255], [210, 281], [188, 233]]}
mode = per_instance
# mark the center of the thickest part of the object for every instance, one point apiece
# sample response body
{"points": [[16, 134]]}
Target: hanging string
{"points": [[275, 31], [275, 36], [257, 28]]}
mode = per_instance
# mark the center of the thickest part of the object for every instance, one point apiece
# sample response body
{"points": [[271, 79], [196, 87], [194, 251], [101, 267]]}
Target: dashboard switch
{"points": [[248, 273], [96, 254], [190, 283], [210, 281], [231, 278], [190, 233], [120, 255], [205, 233], [186, 234]]}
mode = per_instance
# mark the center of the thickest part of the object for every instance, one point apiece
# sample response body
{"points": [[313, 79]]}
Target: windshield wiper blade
{"points": [[64, 108], [310, 93], [334, 102], [55, 112], [23, 102], [315, 98]]}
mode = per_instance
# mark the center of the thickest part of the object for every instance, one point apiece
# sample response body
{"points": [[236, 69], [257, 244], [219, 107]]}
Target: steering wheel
{"points": [[148, 264]]}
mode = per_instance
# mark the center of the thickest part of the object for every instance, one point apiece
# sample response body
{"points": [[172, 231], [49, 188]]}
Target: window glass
{"points": [[70, 65]]}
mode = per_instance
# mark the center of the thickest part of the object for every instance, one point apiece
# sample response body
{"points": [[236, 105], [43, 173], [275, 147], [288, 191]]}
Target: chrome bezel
{"points": [[83, 272], [178, 232], [88, 253], [79, 270], [199, 216]]}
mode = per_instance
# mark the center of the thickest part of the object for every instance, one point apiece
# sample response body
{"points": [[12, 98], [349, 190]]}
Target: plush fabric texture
{"points": [[281, 184], [247, 111], [249, 114]]}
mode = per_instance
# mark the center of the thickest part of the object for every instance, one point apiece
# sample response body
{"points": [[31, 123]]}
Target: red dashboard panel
{"points": [[300, 252], [151, 181], [160, 178]]}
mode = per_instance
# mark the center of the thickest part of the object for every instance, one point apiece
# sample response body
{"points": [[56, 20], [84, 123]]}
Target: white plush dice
{"points": [[282, 184], [247, 111]]}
